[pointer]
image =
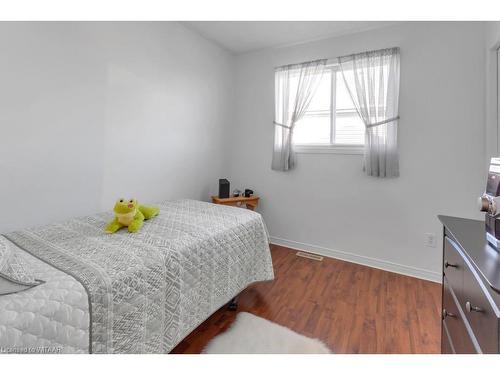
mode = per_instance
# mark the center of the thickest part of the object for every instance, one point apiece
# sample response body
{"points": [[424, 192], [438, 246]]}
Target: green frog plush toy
{"points": [[129, 213]]}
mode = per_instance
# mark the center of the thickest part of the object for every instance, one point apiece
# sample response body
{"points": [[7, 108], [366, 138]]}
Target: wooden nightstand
{"points": [[250, 202]]}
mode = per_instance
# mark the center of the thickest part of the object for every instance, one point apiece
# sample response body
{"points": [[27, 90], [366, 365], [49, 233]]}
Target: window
{"points": [[331, 121]]}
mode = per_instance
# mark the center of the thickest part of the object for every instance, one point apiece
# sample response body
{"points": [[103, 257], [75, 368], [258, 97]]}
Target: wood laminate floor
{"points": [[352, 308]]}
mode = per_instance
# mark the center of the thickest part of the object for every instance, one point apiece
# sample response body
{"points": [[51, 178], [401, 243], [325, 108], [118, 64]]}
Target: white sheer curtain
{"points": [[295, 86], [372, 79]]}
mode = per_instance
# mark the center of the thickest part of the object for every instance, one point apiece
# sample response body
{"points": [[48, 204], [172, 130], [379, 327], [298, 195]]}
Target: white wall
{"points": [[492, 43], [327, 204], [93, 111]]}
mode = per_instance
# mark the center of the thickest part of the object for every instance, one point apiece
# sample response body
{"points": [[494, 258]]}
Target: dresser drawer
{"points": [[479, 311], [453, 323], [471, 279], [453, 265], [446, 346]]}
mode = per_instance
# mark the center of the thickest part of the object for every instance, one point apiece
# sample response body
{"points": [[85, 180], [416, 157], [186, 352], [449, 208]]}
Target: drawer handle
{"points": [[447, 313], [470, 308], [446, 265]]}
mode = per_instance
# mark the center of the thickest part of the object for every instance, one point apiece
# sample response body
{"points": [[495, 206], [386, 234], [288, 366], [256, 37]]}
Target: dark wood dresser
{"points": [[471, 289]]}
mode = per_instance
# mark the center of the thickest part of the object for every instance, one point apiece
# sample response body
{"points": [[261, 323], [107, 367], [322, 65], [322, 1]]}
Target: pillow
{"points": [[15, 274]]}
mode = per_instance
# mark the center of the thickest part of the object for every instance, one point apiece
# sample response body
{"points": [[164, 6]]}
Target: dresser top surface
{"points": [[471, 236]]}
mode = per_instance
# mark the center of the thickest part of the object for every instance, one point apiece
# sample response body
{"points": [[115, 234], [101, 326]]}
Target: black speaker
{"points": [[223, 188]]}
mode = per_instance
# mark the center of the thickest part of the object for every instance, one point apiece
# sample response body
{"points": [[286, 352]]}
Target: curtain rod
{"points": [[390, 49], [333, 61], [300, 63]]}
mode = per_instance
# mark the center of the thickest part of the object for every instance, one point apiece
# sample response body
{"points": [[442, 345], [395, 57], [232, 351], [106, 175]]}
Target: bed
{"points": [[132, 293]]}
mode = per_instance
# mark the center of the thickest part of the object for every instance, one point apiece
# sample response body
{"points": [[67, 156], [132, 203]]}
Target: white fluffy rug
{"points": [[250, 334]]}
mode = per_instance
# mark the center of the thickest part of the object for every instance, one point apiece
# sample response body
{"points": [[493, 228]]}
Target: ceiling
{"points": [[245, 36]]}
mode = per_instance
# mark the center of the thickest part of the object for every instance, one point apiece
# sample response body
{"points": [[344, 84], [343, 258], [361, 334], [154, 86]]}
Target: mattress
{"points": [[132, 293]]}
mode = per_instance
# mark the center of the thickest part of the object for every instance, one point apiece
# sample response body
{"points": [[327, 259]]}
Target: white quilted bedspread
{"points": [[145, 291], [50, 318]]}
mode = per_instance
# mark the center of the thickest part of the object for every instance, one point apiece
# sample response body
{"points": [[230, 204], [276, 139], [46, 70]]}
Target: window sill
{"points": [[329, 149]]}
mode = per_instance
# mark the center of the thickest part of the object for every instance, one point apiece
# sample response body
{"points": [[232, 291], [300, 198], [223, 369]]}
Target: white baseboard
{"points": [[360, 259]]}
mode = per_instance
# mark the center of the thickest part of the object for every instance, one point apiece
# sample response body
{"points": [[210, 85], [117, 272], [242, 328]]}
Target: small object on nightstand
{"points": [[248, 202], [248, 193], [236, 193], [223, 188]]}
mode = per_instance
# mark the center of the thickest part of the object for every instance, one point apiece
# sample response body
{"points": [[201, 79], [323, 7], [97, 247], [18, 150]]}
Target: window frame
{"points": [[331, 148]]}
